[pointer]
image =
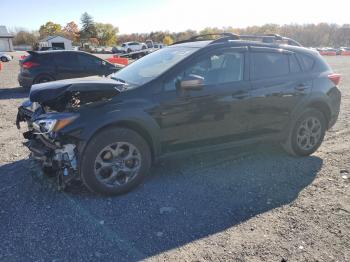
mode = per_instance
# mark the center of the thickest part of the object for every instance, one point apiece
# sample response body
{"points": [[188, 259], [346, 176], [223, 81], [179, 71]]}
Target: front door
{"points": [[212, 115]]}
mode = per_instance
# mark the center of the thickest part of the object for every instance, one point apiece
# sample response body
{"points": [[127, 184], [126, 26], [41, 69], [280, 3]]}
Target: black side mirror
{"points": [[192, 82]]}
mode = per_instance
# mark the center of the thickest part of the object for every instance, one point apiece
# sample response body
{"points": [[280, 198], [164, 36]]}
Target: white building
{"points": [[5, 40], [56, 42]]}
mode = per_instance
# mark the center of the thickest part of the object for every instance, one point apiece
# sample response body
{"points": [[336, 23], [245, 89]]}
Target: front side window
{"points": [[268, 65], [223, 66], [153, 65], [89, 61]]}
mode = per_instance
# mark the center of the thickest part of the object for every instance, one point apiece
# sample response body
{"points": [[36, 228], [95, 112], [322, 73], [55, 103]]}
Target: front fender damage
{"points": [[58, 150]]}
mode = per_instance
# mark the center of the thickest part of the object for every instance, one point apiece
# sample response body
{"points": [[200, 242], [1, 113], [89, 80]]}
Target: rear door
{"points": [[278, 85], [67, 65]]}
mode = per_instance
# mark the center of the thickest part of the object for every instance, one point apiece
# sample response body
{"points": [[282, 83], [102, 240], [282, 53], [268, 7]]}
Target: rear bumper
{"points": [[335, 96]]}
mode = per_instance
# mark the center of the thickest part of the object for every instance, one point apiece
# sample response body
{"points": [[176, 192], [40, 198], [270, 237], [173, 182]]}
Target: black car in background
{"points": [[194, 96], [46, 66]]}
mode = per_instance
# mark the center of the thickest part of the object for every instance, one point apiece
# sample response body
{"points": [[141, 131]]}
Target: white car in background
{"points": [[129, 47], [5, 57]]}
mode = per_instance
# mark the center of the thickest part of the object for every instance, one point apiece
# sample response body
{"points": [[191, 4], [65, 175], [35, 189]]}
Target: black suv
{"points": [[192, 96], [46, 66]]}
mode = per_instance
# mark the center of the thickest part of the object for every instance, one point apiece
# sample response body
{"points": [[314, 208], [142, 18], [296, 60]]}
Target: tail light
{"points": [[28, 65], [335, 78]]}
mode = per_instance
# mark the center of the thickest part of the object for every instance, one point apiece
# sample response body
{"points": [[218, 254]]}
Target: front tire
{"points": [[4, 59], [307, 134], [115, 161]]}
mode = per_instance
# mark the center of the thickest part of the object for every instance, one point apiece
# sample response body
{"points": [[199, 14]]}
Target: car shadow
{"points": [[184, 199], [13, 93]]}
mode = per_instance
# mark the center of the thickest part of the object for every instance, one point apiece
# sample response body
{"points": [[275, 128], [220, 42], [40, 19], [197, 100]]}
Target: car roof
{"points": [[56, 52], [198, 44], [207, 43]]}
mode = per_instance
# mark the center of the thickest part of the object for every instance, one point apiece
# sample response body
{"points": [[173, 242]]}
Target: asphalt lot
{"points": [[245, 204]]}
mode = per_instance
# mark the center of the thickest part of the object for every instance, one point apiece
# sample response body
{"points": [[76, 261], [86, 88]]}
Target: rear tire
{"points": [[104, 166], [4, 59], [307, 134]]}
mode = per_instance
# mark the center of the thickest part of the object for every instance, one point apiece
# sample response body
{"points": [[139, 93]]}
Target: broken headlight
{"points": [[53, 125]]}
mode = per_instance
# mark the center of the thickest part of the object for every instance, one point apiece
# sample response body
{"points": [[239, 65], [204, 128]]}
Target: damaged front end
{"points": [[52, 115]]}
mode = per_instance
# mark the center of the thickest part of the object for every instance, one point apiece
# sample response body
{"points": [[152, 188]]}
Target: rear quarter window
{"points": [[307, 62]]}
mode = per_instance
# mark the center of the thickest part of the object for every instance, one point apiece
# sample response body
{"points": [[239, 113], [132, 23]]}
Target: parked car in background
{"points": [[158, 45], [327, 51], [194, 96], [102, 50], [5, 57], [45, 66], [153, 45], [50, 48], [129, 47], [343, 51], [117, 50]]}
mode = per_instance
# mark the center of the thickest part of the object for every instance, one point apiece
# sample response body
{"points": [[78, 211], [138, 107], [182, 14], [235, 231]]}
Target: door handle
{"points": [[301, 87]]}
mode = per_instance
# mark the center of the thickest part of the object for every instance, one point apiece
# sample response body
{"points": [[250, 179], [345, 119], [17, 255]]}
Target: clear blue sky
{"points": [[173, 15]]}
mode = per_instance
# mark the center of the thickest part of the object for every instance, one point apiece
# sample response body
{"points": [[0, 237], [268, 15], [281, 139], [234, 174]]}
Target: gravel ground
{"points": [[247, 204]]}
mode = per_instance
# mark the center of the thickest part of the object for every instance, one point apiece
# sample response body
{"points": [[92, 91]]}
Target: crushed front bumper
{"points": [[59, 157]]}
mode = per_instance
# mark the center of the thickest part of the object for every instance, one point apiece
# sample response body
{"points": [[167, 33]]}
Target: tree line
{"points": [[90, 32], [313, 35], [310, 35]]}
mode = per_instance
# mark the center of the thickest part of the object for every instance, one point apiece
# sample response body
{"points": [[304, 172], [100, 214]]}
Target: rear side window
{"points": [[45, 58], [89, 61], [294, 64], [268, 65], [307, 62], [66, 59]]}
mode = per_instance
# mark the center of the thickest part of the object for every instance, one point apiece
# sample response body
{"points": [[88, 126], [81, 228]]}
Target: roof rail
{"points": [[266, 38], [224, 37], [271, 38]]}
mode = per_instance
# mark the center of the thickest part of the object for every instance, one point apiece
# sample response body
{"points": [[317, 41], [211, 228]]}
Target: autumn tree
{"points": [[50, 28], [167, 40], [71, 31], [106, 34]]}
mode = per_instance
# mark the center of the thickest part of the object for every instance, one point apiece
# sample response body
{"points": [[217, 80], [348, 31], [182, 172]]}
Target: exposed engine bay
{"points": [[52, 107]]}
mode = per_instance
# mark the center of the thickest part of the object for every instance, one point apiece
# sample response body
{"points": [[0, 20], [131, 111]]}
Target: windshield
{"points": [[152, 65]]}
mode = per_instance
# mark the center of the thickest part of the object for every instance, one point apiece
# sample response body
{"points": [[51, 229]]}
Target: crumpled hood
{"points": [[58, 94]]}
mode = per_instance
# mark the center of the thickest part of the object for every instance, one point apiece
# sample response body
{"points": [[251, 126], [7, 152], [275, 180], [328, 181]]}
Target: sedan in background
{"points": [[5, 57], [46, 66]]}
